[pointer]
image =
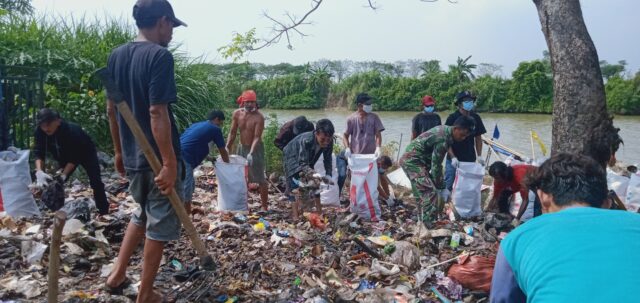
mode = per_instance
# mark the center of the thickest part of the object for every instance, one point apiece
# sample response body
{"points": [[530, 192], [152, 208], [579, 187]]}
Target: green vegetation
{"points": [[71, 49]]}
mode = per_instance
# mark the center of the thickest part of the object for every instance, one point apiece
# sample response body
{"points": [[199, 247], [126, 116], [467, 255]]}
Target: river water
{"points": [[514, 128]]}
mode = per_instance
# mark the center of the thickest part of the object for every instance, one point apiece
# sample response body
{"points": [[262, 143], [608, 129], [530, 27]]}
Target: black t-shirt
{"points": [[465, 151], [423, 122], [144, 72]]}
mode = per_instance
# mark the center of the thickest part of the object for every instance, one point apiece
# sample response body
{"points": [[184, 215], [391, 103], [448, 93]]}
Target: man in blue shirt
{"points": [[194, 143], [577, 251]]}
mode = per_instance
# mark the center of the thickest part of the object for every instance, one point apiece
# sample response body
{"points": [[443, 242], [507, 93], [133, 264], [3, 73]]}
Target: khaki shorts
{"points": [[256, 170], [155, 213]]}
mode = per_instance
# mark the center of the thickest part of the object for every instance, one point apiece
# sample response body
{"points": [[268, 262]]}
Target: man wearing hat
{"points": [[144, 71], [250, 122], [291, 129], [70, 146], [364, 129], [426, 119], [470, 148]]}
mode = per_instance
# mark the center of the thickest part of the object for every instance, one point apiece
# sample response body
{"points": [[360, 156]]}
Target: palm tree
{"points": [[463, 70], [430, 67], [22, 7]]}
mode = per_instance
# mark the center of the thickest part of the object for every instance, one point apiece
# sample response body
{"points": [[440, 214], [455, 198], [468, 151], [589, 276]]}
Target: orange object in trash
{"points": [[473, 272], [316, 221]]}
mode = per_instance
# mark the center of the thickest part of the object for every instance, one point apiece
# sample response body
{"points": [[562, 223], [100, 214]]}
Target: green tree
{"points": [[430, 67], [531, 88], [623, 96], [612, 70], [463, 70]]}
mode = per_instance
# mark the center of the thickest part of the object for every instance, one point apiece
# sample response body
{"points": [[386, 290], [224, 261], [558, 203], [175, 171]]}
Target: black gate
{"points": [[21, 95]]}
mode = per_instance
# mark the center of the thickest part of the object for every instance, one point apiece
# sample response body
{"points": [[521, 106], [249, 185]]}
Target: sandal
{"points": [[118, 290]]}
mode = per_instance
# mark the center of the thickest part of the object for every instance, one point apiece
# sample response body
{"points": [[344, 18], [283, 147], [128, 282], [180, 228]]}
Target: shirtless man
{"points": [[251, 124]]}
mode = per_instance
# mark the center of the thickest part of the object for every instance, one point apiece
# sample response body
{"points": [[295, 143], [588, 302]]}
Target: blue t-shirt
{"points": [[194, 142], [580, 254]]}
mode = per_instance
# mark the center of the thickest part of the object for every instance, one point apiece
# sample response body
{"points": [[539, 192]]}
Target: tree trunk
{"points": [[581, 123]]}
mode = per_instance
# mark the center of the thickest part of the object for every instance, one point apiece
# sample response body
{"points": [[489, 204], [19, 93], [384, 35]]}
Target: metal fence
{"points": [[21, 95]]}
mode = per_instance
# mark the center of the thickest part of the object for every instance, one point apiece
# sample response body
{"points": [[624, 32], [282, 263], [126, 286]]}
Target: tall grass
{"points": [[70, 49]]}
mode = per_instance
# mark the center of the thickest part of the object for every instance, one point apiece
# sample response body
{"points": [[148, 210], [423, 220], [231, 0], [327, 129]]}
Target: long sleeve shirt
{"points": [[428, 150], [69, 144], [303, 151]]}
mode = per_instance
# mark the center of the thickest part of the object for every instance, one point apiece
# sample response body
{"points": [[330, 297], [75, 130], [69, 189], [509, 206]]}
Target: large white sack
{"points": [[364, 187], [399, 177], [232, 184], [618, 184], [330, 194], [632, 201], [14, 184], [466, 193], [516, 201]]}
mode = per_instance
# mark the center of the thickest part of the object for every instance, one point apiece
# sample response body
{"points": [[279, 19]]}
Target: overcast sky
{"points": [[504, 32]]}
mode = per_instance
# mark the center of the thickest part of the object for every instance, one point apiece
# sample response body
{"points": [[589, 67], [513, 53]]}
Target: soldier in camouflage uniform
{"points": [[422, 162]]}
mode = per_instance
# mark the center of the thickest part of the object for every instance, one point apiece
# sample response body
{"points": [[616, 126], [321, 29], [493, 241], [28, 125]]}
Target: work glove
{"points": [[377, 153], [250, 159], [390, 202], [455, 163], [347, 153], [481, 161], [63, 177], [42, 179]]}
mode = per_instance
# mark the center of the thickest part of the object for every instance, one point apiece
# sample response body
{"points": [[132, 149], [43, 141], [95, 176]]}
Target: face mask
{"points": [[249, 109], [367, 108], [380, 170], [428, 109], [467, 105]]}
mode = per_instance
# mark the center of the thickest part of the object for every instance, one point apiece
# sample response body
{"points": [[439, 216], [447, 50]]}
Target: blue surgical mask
{"points": [[428, 109], [380, 170], [367, 108], [468, 105]]}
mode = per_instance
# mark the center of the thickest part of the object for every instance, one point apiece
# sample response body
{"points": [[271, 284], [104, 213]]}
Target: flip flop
{"points": [[118, 290]]}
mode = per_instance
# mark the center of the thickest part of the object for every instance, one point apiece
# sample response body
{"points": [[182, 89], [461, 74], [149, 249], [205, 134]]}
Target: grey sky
{"points": [[504, 32]]}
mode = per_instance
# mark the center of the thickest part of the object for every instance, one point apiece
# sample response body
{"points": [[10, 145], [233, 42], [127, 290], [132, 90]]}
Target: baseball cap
{"points": [[428, 101], [154, 9], [46, 115], [363, 98], [464, 95]]}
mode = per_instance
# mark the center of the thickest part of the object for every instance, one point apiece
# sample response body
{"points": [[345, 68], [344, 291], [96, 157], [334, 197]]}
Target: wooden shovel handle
{"points": [[59, 219], [156, 166]]}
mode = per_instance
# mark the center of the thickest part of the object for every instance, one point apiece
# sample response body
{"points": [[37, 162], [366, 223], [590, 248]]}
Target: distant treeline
{"points": [[400, 85]]}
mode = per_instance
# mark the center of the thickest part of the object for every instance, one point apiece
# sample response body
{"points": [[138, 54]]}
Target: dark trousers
{"points": [[92, 168]]}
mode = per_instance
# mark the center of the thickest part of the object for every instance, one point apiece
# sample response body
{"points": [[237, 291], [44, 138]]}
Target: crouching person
{"points": [[301, 154], [576, 251], [422, 162]]}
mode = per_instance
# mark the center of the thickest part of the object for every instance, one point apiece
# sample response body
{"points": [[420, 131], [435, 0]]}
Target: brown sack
{"points": [[473, 272]]}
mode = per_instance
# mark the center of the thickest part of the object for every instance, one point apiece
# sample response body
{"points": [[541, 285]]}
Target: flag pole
{"points": [[533, 151]]}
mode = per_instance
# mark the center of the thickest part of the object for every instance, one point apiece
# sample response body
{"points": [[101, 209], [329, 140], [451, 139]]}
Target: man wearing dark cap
{"points": [[70, 145], [364, 129], [291, 129], [426, 119], [471, 148], [144, 71]]}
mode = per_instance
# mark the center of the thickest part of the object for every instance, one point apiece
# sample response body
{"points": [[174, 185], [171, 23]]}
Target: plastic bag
{"points": [[364, 187], [79, 209], [53, 195], [618, 184], [516, 201], [473, 272], [232, 184], [14, 181], [632, 201], [329, 194], [466, 193]]}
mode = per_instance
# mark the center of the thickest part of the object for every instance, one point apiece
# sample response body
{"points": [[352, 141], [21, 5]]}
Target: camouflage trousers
{"points": [[423, 190]]}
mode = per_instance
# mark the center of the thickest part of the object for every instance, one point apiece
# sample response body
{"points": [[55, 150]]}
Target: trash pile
{"points": [[260, 256]]}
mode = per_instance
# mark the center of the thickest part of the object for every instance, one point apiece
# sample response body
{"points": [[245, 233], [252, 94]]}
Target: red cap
{"points": [[247, 95], [428, 100]]}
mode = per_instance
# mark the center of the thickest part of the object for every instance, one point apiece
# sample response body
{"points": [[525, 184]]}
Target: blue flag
{"points": [[496, 132]]}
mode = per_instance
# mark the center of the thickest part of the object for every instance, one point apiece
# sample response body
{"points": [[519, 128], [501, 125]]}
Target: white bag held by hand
{"points": [[618, 184], [232, 184], [364, 187], [14, 184], [632, 201], [466, 189], [329, 195]]}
